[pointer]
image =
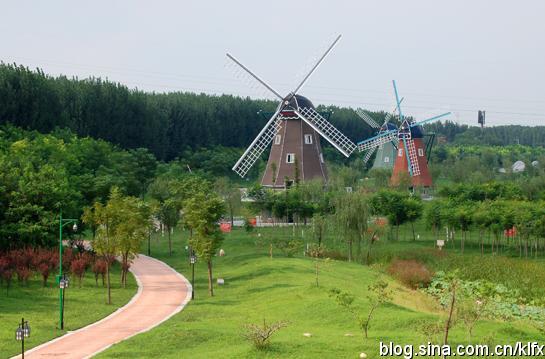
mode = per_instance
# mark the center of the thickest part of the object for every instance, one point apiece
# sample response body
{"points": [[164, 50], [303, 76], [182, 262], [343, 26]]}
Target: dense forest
{"points": [[170, 125]]}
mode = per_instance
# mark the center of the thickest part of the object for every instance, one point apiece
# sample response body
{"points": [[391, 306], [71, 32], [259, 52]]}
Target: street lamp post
{"points": [[62, 223], [193, 259], [63, 284], [149, 242], [22, 332]]}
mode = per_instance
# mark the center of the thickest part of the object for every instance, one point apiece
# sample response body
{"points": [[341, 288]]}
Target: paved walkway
{"points": [[162, 293]]}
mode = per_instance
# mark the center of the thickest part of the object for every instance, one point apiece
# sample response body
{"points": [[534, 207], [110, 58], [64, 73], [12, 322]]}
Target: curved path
{"points": [[162, 292]]}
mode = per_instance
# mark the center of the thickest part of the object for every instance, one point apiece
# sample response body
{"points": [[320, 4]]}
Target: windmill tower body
{"points": [[295, 148], [386, 153], [385, 157], [417, 153]]}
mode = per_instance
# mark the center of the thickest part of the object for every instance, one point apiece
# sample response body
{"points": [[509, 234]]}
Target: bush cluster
{"points": [[27, 262], [411, 273]]}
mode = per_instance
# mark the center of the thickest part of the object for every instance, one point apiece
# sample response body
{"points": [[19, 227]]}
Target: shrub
{"points": [[260, 335], [99, 269], [6, 271], [78, 266], [411, 273], [67, 257], [288, 246], [44, 270], [23, 273], [334, 255]]}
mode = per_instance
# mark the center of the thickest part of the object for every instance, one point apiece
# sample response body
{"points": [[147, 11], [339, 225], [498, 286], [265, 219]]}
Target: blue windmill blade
{"points": [[407, 129], [419, 123], [398, 102], [377, 140]]}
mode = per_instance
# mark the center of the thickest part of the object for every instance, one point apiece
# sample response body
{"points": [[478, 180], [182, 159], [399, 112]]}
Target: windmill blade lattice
{"points": [[368, 119], [258, 146], [254, 86], [320, 60], [327, 130], [369, 154], [411, 149], [377, 141]]}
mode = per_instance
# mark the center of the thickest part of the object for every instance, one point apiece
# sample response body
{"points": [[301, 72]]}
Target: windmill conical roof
{"points": [[299, 101], [417, 132]]}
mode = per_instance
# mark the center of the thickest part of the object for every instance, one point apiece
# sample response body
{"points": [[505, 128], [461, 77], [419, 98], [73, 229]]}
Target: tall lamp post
{"points": [[60, 278], [22, 332]]}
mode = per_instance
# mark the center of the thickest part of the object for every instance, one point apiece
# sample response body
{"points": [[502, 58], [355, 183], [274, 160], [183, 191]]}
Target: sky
{"points": [[457, 55]]}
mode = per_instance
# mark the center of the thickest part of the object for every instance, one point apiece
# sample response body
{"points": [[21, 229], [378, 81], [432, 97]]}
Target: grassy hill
{"points": [[282, 288]]}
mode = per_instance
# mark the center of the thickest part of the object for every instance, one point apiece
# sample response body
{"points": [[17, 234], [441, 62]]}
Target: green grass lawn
{"points": [[40, 306], [258, 287]]}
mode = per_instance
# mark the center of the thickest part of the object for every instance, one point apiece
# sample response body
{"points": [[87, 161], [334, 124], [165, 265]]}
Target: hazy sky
{"points": [[459, 55]]}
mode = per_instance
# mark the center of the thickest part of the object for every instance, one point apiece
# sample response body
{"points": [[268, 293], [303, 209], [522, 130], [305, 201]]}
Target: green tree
{"points": [[351, 215], [202, 213], [231, 195], [106, 242]]}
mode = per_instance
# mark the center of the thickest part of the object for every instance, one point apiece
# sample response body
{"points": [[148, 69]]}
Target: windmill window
{"points": [[400, 152], [277, 139], [308, 139], [420, 152], [290, 158], [386, 159]]}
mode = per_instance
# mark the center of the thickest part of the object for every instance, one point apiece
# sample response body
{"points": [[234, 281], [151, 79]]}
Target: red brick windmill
{"points": [[296, 128], [411, 150]]}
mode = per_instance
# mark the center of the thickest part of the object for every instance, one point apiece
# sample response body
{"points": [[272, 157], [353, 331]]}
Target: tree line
{"points": [[169, 124], [166, 124]]}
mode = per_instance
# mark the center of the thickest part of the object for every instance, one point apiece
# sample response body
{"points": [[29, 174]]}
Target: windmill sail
{"points": [[378, 140], [411, 150], [258, 145], [369, 154], [327, 130], [368, 119]]}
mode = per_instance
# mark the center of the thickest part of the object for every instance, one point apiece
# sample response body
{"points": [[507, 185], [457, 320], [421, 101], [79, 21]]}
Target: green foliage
{"points": [[378, 294], [398, 207], [351, 217], [45, 173], [173, 125], [121, 226], [288, 246], [497, 300], [481, 192], [202, 213]]}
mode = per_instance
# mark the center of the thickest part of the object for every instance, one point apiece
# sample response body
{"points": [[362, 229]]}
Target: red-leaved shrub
{"points": [[79, 265], [23, 273], [99, 268], [411, 273]]}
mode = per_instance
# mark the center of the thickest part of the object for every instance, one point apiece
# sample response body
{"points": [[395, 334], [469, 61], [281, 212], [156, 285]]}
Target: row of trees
{"points": [[166, 124], [504, 224], [23, 263], [498, 214]]}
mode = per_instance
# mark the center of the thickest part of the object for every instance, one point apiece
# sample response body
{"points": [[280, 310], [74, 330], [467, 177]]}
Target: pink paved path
{"points": [[162, 293]]}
